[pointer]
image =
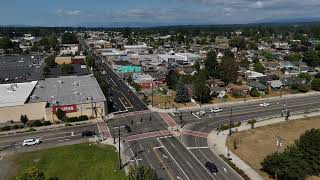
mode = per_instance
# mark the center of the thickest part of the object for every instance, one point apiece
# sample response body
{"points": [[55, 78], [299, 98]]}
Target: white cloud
{"points": [[63, 12]]}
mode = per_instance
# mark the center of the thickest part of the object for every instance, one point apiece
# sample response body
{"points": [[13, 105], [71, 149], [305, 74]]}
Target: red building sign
{"points": [[66, 108]]}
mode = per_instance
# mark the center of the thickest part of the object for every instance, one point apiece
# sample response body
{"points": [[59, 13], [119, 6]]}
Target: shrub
{"points": [[36, 123], [237, 94], [73, 119], [6, 128], [83, 118], [47, 123]]}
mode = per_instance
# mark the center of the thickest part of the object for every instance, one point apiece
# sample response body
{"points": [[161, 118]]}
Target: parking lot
{"points": [[20, 68]]}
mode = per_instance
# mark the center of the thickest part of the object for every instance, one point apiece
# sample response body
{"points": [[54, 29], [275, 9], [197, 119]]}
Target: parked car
{"points": [[200, 113], [30, 142], [216, 110], [211, 167], [264, 104], [88, 133]]}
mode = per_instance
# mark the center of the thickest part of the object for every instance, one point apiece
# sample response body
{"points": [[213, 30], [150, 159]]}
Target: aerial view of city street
{"points": [[160, 90]]}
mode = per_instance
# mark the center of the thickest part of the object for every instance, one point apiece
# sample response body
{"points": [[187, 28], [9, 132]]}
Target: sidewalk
{"points": [[53, 126], [288, 96], [217, 143]]}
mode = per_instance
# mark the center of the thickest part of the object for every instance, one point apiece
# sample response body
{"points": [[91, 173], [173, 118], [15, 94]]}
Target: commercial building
{"points": [[13, 98], [76, 95], [70, 60]]}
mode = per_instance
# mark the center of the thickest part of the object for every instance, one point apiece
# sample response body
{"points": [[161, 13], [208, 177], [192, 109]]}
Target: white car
{"points": [[30, 142], [216, 110], [264, 104], [200, 113]]}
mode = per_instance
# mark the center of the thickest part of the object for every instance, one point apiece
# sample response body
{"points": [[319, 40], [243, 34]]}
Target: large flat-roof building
{"points": [[76, 95]]}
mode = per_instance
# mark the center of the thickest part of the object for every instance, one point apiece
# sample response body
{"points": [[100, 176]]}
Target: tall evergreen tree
{"points": [[182, 93], [211, 64]]}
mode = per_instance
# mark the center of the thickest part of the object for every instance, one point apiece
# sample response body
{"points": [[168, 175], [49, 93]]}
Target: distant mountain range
{"points": [[168, 24], [289, 20]]}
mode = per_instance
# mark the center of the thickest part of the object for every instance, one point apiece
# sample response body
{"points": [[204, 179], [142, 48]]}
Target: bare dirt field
{"points": [[254, 145]]}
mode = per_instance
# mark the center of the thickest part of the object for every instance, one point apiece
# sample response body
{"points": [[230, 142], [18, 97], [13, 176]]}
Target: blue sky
{"points": [[106, 12]]}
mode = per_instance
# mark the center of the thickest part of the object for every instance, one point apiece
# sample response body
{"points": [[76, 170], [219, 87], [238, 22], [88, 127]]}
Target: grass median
{"points": [[82, 161]]}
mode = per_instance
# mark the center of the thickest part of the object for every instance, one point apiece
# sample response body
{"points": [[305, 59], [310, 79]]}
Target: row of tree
{"points": [[298, 161]]}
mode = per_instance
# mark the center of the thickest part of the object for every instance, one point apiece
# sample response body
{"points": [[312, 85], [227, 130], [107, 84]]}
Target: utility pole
{"points": [[119, 149], [230, 122], [152, 94], [279, 143]]}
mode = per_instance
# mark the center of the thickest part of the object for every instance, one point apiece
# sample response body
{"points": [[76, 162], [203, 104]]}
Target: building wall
{"points": [[63, 60], [81, 109], [34, 111]]}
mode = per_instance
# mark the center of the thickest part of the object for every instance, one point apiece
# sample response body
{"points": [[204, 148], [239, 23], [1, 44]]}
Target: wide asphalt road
{"points": [[49, 138]]}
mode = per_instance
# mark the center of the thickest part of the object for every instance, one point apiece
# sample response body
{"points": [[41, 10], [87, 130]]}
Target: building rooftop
{"points": [[68, 90], [15, 93]]}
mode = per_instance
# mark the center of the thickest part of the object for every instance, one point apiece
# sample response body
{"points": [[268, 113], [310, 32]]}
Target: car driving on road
{"points": [[30, 142], [216, 110], [88, 133], [211, 167], [200, 113], [264, 104]]}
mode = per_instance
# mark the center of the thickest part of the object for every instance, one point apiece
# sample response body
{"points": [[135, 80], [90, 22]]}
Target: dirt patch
{"points": [[254, 145]]}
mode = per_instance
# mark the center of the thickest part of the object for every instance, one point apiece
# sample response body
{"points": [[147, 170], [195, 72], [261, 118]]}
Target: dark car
{"points": [[212, 168], [127, 128], [88, 133]]}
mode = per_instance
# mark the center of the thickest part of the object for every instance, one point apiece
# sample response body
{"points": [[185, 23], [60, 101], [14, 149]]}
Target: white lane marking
{"points": [[205, 147], [113, 82], [135, 159], [174, 159], [165, 156], [197, 160], [173, 114], [196, 116], [158, 147], [123, 104]]}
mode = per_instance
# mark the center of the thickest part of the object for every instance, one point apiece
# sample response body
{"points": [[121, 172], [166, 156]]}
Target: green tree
{"points": [[24, 119], [275, 77], [315, 84], [69, 38], [200, 90], [254, 92], [90, 61], [293, 57], [46, 70], [172, 79], [66, 68], [245, 63], [259, 67], [5, 43], [196, 66], [182, 93], [317, 47], [50, 61], [252, 122], [305, 76], [212, 65], [142, 173], [238, 42], [298, 160], [60, 114], [229, 69], [268, 55], [312, 58], [32, 173]]}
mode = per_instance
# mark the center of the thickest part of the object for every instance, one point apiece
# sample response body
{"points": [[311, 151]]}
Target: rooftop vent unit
{"points": [[59, 81], [76, 83]]}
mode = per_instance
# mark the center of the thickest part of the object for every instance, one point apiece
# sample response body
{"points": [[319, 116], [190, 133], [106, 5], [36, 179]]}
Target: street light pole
{"points": [[230, 122], [119, 149]]}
